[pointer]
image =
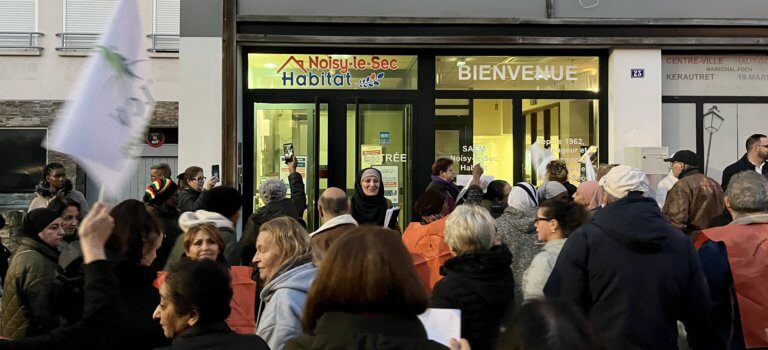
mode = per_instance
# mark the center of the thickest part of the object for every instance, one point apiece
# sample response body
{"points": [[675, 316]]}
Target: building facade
{"points": [[43, 47], [396, 84]]}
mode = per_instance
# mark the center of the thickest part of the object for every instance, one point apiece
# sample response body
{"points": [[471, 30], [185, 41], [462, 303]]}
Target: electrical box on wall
{"points": [[648, 159]]}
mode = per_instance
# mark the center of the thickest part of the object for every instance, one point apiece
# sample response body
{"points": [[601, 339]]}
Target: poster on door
{"points": [[370, 155], [301, 168], [390, 179]]}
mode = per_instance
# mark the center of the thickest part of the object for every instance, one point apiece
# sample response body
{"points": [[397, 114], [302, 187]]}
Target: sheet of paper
{"points": [[442, 324], [394, 211], [464, 180]]}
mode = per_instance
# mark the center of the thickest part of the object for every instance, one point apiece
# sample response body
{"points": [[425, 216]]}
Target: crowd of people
{"points": [[598, 265]]}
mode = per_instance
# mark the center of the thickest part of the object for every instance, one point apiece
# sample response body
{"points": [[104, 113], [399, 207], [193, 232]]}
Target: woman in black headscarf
{"points": [[369, 206]]}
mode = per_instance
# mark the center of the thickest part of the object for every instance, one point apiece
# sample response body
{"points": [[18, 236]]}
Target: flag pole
{"points": [[101, 193]]}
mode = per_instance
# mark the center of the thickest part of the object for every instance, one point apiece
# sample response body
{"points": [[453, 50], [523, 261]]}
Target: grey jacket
{"points": [[517, 231], [282, 303], [535, 277]]}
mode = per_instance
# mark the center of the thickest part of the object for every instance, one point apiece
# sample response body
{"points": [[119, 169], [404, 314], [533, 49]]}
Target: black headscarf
{"points": [[369, 209]]}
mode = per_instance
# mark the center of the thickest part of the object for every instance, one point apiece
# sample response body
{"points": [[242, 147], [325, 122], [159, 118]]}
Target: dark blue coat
{"points": [[634, 276]]}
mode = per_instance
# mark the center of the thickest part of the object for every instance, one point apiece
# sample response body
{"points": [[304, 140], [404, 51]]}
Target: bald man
{"points": [[333, 206]]}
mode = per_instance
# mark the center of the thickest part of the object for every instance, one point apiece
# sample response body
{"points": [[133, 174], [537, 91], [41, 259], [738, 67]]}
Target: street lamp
{"points": [[712, 125]]}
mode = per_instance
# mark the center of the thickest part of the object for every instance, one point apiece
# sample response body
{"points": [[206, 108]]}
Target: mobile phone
{"points": [[288, 153], [215, 171]]}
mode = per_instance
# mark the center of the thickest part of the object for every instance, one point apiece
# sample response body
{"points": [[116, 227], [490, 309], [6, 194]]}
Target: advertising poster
{"points": [[391, 180], [370, 155]]}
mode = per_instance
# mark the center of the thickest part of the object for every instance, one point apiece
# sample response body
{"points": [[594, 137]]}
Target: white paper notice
{"points": [[442, 324], [464, 180]]}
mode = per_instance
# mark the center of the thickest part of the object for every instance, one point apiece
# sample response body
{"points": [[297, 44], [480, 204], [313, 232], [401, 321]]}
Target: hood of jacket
{"points": [[299, 278], [344, 219], [486, 273], [38, 246], [278, 208], [635, 222], [190, 219]]}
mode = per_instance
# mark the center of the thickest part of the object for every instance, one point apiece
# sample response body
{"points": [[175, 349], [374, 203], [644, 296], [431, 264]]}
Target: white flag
{"points": [[105, 120]]}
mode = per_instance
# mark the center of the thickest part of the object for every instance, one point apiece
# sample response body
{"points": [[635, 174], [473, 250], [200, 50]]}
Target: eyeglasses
{"points": [[545, 219]]}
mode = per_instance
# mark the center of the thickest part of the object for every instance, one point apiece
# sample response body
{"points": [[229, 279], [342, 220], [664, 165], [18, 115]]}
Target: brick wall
{"points": [[41, 113]]}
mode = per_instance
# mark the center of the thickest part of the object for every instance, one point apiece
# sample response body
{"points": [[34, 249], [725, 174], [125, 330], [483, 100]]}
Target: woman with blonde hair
{"points": [[284, 260], [478, 279]]}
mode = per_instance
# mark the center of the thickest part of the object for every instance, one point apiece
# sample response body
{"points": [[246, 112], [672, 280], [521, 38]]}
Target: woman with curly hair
{"points": [[54, 183], [557, 171]]}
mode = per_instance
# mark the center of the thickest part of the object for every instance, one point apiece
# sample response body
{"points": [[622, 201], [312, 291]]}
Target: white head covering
{"points": [[523, 196], [550, 189], [624, 179]]}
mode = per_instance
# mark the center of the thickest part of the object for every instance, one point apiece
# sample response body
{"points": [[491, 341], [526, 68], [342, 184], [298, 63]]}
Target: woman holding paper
{"points": [[369, 206], [366, 296]]}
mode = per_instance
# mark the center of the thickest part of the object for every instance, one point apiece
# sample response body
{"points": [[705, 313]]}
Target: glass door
{"points": [[379, 136], [279, 124]]}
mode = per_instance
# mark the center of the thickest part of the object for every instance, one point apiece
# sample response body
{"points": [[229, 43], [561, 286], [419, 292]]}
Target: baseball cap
{"points": [[684, 156]]}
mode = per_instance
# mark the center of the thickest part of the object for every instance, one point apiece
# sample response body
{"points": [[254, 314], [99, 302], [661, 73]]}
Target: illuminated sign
{"points": [[307, 71]]}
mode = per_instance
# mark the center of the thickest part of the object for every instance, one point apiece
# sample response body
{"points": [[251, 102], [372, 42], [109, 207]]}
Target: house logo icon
{"points": [[299, 63]]}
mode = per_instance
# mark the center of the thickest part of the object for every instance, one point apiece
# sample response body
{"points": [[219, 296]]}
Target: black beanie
{"points": [[222, 199], [36, 221]]}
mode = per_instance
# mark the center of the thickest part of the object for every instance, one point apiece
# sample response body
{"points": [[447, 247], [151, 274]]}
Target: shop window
{"points": [[571, 73], [475, 131], [84, 22], [566, 129], [318, 71], [18, 23], [22, 158]]}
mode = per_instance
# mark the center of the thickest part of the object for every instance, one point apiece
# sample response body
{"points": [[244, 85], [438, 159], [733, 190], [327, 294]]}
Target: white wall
{"points": [[51, 75], [200, 103], [634, 105]]}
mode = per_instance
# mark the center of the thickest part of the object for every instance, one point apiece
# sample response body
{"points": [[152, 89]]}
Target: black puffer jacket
{"points": [[482, 286], [189, 200], [634, 276], [291, 207]]}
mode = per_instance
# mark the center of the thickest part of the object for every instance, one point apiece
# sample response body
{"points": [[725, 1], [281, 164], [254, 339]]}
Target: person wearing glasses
{"points": [[196, 182], [555, 220], [754, 159]]}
